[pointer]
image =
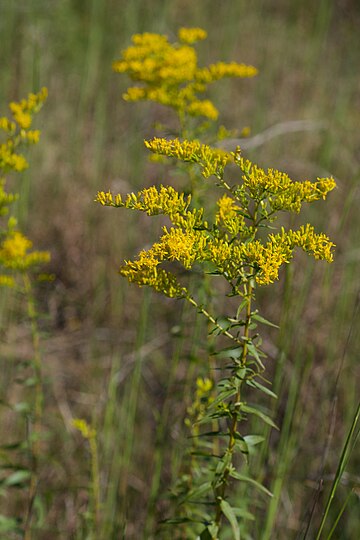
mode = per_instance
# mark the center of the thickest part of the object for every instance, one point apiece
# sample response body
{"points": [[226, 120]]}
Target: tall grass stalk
{"points": [[128, 417], [350, 442]]}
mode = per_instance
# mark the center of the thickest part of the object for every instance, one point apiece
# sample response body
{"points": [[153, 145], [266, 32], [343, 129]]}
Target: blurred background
{"points": [[108, 347]]}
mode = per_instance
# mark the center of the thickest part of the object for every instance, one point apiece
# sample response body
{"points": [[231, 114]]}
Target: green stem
{"points": [[95, 479], [341, 467], [220, 493], [204, 312], [35, 432]]}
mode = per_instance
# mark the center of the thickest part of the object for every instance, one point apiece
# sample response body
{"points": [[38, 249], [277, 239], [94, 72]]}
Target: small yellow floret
{"points": [[86, 431], [191, 35]]}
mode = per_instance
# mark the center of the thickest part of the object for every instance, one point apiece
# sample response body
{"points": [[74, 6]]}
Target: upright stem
{"points": [[220, 493], [35, 430], [95, 480]]}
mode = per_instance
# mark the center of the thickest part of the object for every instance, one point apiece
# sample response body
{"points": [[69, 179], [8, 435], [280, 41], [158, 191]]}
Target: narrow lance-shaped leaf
{"points": [[244, 478], [260, 414], [229, 513]]}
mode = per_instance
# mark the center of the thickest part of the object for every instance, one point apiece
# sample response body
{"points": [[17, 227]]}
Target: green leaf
{"points": [[243, 304], [244, 478], [213, 530], [197, 492], [255, 353], [22, 407], [210, 417], [223, 396], [30, 381], [242, 446], [12, 446], [244, 514], [205, 535], [17, 478], [261, 319], [8, 524], [212, 434], [260, 414], [178, 521], [230, 352], [253, 440], [256, 384], [229, 513]]}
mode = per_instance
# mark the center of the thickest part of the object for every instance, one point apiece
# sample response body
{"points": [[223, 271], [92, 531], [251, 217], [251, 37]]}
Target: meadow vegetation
{"points": [[102, 382]]}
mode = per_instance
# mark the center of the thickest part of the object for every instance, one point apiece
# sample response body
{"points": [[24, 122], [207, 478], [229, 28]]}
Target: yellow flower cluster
{"points": [[163, 200], [15, 254], [192, 241], [268, 258], [86, 431], [18, 131], [220, 70], [23, 111], [170, 75], [230, 216], [211, 160], [197, 409], [145, 271], [273, 189], [191, 35], [318, 245], [230, 244], [15, 248], [278, 189]]}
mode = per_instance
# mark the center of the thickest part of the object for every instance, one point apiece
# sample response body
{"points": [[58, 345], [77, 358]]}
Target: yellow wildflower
{"points": [[191, 35], [277, 187], [169, 72], [86, 431], [7, 125], [203, 108], [31, 136], [218, 71], [211, 160], [15, 255], [229, 215], [145, 271]]}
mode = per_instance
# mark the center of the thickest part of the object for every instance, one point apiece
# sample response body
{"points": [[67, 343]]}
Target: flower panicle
{"points": [[278, 189], [168, 73], [191, 35], [143, 273], [16, 254], [17, 131], [106, 198], [220, 70], [158, 200], [211, 160], [23, 110]]}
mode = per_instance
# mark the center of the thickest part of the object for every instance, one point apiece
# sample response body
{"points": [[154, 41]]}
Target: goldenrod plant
{"points": [[20, 265], [16, 254], [240, 242]]}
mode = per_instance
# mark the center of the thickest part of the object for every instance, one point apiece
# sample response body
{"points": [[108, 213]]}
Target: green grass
{"points": [[101, 359]]}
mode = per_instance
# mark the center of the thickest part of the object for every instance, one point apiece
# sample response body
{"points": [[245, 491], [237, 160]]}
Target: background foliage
{"points": [[307, 54]]}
